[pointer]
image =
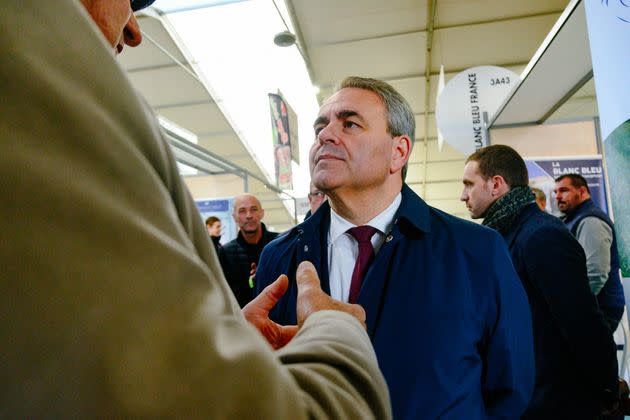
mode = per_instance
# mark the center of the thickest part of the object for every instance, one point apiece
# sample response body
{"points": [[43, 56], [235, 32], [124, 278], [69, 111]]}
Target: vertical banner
{"points": [[608, 23], [281, 141], [543, 171], [221, 208]]}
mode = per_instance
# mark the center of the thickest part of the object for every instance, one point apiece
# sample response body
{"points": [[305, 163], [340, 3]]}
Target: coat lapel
{"points": [[374, 288]]}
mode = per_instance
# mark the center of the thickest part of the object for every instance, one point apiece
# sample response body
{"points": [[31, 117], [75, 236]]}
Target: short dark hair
{"points": [[400, 118], [576, 180], [212, 220], [500, 159]]}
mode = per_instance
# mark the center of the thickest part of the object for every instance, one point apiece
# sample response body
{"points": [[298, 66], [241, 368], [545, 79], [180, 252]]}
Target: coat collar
{"points": [[413, 210], [526, 213], [571, 214], [241, 240]]}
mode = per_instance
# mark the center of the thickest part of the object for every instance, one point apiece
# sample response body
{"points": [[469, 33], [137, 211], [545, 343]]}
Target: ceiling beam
{"points": [[566, 97], [504, 19], [410, 76], [152, 67], [183, 104], [301, 45], [441, 28]]}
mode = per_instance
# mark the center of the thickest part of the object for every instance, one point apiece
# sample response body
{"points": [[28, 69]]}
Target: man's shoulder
{"points": [[269, 236], [593, 221], [230, 249], [282, 241], [464, 232], [593, 227], [441, 223], [537, 222], [541, 232]]}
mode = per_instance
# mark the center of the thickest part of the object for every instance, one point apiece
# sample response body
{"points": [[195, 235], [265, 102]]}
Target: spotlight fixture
{"points": [[284, 39]]}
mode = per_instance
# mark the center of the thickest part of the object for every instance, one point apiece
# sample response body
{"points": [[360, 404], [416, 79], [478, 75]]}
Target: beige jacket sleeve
{"points": [[112, 301]]}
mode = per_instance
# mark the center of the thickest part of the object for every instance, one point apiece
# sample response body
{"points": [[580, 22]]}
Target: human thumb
{"points": [[271, 294], [306, 277]]}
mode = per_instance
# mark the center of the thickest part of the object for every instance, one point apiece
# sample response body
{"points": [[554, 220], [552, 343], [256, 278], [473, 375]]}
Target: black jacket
{"points": [[236, 259], [216, 241], [574, 349]]}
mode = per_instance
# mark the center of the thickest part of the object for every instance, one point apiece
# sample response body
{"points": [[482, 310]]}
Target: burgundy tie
{"points": [[362, 234]]}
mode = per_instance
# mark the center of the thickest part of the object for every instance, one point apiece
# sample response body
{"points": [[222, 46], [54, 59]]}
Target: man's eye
{"points": [[318, 130], [350, 124]]}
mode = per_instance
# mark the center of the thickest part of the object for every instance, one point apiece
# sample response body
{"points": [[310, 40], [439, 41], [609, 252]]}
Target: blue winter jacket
{"points": [[446, 312]]}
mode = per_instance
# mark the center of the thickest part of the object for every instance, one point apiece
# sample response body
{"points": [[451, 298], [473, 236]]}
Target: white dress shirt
{"points": [[343, 249]]}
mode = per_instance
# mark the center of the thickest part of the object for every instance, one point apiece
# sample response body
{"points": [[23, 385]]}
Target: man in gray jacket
{"points": [[113, 304], [596, 233]]}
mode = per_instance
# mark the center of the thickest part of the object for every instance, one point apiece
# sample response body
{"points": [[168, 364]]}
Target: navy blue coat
{"points": [[575, 352], [446, 312]]}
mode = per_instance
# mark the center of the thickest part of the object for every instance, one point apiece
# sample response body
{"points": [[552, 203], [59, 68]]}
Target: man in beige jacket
{"points": [[112, 301]]}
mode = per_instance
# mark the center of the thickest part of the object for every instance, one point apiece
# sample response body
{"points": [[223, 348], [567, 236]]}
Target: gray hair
{"points": [[400, 118]]}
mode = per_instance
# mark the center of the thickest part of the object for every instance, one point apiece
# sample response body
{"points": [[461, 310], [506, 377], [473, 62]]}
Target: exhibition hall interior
{"points": [[407, 209], [217, 92], [520, 73]]}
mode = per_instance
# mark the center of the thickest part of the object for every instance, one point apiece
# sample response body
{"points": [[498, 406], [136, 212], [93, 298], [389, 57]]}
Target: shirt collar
{"points": [[383, 221]]}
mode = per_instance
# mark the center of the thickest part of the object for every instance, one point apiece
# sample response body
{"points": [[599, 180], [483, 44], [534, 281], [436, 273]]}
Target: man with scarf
{"points": [[576, 364]]}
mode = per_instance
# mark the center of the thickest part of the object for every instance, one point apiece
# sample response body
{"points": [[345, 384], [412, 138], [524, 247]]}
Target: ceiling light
{"points": [[284, 39]]}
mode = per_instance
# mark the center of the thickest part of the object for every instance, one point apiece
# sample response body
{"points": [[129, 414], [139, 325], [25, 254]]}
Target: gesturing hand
{"points": [[311, 298], [257, 313]]}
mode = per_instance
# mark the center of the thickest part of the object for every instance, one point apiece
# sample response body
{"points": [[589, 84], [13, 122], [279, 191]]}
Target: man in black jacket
{"points": [[576, 364], [240, 256]]}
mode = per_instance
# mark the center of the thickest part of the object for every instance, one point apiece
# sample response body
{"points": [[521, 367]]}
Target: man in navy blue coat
{"points": [[446, 313], [576, 363]]}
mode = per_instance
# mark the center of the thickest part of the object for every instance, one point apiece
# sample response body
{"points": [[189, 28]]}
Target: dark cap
{"points": [[140, 4]]}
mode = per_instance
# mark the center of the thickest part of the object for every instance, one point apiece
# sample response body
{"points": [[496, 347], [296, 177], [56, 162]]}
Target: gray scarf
{"points": [[502, 213]]}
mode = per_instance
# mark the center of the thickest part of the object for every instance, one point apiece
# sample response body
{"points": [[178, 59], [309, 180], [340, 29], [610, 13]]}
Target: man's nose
{"points": [[463, 196], [132, 34], [328, 134]]}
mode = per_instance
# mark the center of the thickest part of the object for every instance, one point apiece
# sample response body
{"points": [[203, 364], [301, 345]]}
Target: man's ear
{"points": [[401, 149], [583, 193], [262, 213], [499, 186]]}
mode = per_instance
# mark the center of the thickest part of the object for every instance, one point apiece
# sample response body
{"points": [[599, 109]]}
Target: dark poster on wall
{"points": [[543, 172]]}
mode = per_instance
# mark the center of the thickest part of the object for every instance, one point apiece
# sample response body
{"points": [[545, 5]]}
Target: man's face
{"points": [[477, 192], [568, 196], [215, 229], [248, 213], [116, 21], [352, 148]]}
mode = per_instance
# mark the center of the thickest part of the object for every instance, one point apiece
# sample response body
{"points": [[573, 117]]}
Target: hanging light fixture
{"points": [[284, 39]]}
